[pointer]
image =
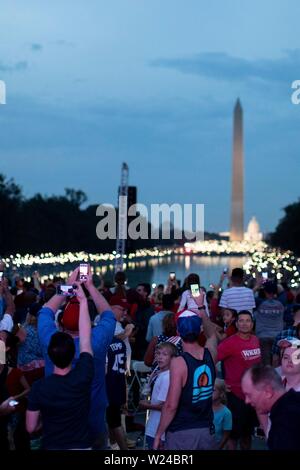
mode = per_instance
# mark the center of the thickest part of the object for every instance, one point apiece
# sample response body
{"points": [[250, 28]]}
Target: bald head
{"points": [[262, 387]]}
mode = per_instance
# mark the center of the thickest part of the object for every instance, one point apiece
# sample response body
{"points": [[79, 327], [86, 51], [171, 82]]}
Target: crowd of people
{"points": [[224, 363]]}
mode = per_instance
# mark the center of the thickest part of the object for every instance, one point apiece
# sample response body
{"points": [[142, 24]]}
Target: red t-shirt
{"points": [[238, 355]]}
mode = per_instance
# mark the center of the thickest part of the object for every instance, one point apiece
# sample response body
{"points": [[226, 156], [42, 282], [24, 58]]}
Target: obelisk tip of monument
{"points": [[238, 104]]}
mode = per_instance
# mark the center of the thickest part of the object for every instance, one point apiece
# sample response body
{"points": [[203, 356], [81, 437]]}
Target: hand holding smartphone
{"points": [[13, 403], [65, 290], [172, 276], [83, 272]]}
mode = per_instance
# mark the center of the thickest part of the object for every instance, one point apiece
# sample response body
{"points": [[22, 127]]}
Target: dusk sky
{"points": [[152, 83]]}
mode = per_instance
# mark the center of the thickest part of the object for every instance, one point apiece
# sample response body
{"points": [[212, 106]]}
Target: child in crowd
{"points": [[164, 353], [229, 316], [222, 415]]}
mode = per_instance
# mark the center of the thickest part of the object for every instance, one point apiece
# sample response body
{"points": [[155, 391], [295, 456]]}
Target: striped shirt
{"points": [[238, 298]]}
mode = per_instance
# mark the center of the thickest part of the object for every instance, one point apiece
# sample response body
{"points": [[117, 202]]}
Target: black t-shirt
{"points": [[115, 375], [64, 403], [142, 317], [285, 423]]}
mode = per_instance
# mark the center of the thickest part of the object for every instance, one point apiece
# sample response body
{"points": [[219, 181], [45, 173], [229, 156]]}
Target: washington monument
{"points": [[237, 198]]}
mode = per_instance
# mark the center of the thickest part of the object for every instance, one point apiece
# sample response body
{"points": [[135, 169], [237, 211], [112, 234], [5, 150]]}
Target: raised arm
{"points": [[100, 302], [36, 280], [209, 328], [84, 322], [10, 304]]}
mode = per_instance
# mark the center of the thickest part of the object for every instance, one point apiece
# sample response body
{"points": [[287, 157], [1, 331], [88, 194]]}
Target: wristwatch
{"points": [[202, 307]]}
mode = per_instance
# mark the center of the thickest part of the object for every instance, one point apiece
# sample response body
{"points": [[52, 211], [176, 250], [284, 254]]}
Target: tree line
{"points": [[55, 223], [287, 233], [60, 224]]}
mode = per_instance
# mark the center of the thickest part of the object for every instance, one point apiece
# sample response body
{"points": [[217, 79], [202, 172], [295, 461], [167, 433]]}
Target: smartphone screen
{"points": [[65, 290], [195, 290], [172, 276], [1, 276], [264, 275], [13, 403], [83, 272]]}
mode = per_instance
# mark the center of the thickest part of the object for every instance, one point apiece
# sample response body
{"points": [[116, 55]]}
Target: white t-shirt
{"points": [[238, 298], [159, 394], [188, 301]]}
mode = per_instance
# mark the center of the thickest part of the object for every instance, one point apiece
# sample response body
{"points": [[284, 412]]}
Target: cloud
{"points": [[17, 67], [36, 47], [221, 66], [63, 42]]}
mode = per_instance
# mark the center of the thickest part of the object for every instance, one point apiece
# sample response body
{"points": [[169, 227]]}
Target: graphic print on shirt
{"points": [[118, 357], [250, 354], [202, 384]]}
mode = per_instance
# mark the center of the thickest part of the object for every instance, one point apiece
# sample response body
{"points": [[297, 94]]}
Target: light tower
{"points": [[122, 218]]}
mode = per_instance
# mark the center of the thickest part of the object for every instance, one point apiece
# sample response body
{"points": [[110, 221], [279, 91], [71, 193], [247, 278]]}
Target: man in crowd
{"points": [[238, 297], [101, 338], [155, 327], [187, 415], [239, 352], [268, 321], [60, 402], [143, 314], [264, 390]]}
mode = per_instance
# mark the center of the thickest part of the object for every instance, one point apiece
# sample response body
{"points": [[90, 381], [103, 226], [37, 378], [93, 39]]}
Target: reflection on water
{"points": [[156, 270]]}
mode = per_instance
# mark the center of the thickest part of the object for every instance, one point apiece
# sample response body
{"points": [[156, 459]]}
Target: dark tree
{"points": [[287, 233], [10, 207]]}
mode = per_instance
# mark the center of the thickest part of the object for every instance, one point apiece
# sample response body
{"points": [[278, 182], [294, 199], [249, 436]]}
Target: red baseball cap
{"points": [[70, 319], [116, 300]]}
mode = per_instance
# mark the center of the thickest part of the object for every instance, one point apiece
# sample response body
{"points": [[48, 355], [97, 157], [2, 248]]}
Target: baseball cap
{"points": [[116, 300], [70, 319], [289, 342], [188, 323]]}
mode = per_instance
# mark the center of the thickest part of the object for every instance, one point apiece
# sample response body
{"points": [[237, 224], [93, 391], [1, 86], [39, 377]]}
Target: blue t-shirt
{"points": [[101, 337], [222, 422]]}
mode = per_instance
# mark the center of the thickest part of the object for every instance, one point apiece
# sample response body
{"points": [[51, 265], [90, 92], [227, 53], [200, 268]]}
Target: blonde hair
{"points": [[220, 386], [167, 345]]}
